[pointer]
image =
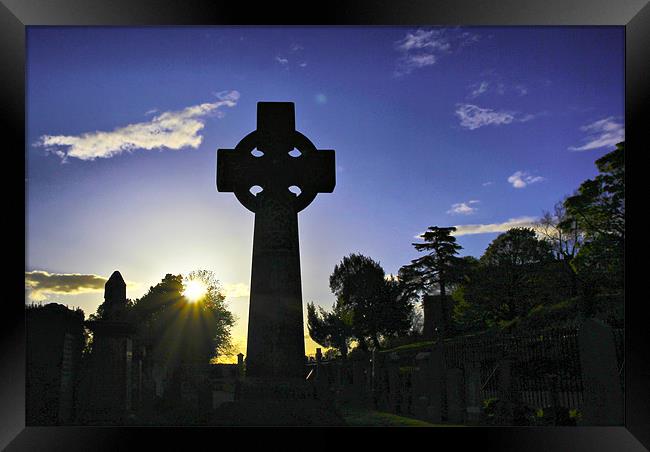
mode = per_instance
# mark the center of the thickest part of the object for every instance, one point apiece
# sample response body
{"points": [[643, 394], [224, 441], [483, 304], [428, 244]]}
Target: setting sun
{"points": [[194, 290]]}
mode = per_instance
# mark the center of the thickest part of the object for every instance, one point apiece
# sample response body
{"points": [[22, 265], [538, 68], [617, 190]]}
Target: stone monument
{"points": [[275, 158], [109, 397], [435, 321], [604, 400]]}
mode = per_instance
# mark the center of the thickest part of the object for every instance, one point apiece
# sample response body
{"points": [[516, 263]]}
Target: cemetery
{"points": [[568, 372]]}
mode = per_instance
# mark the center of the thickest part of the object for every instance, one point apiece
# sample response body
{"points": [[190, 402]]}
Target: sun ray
{"points": [[194, 290]]}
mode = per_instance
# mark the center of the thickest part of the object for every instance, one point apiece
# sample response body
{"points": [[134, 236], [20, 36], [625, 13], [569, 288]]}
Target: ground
{"points": [[357, 417]]}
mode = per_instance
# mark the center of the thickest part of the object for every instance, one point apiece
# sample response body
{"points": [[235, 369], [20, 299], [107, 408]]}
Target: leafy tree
{"points": [[416, 322], [515, 273], [330, 329], [100, 313], [517, 248], [467, 317], [599, 210], [599, 205], [377, 305], [438, 270], [396, 310], [182, 331]]}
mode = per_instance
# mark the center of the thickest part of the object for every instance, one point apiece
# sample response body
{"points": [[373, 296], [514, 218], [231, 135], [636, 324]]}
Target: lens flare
{"points": [[194, 290]]}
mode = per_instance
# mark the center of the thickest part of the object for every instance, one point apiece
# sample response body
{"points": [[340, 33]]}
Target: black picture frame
{"points": [[16, 15]]}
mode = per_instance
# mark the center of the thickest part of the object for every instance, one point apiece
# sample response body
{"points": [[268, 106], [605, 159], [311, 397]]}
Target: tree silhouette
{"points": [[180, 331], [377, 305], [512, 275], [562, 231], [330, 329], [438, 269], [598, 207]]}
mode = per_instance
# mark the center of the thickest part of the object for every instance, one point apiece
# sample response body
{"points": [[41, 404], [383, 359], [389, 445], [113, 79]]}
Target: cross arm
{"points": [[237, 171], [319, 174]]}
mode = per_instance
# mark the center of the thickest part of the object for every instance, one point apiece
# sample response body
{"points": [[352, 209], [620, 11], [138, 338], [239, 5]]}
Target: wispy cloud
{"points": [[172, 130], [603, 133], [471, 229], [423, 47], [234, 290], [473, 117], [519, 222], [521, 179], [478, 89], [485, 184], [41, 284], [288, 57], [463, 208], [492, 82], [522, 90]]}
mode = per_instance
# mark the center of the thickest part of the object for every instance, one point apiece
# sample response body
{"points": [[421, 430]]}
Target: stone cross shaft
{"points": [[275, 157]]}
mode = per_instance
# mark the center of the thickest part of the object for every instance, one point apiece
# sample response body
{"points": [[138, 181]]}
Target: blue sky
{"points": [[479, 127]]}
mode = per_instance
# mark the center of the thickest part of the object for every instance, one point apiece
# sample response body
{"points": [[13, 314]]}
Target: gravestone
{"points": [[436, 387], [603, 396], [394, 389], [240, 365], [321, 386], [473, 391], [379, 380], [109, 398], [421, 384], [267, 158], [359, 381], [435, 321], [54, 343], [507, 389], [455, 396]]}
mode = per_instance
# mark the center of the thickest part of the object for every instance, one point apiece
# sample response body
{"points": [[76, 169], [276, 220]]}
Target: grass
{"points": [[358, 417], [412, 346]]}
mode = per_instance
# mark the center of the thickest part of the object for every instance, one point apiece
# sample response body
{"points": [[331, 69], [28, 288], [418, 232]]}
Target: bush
{"points": [[555, 315]]}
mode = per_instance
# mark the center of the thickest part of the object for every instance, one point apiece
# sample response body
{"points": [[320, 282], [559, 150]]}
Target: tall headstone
{"points": [[109, 396], [603, 396], [394, 387], [115, 297], [240, 364], [507, 388], [455, 396], [421, 383], [435, 322], [473, 391], [379, 380], [321, 386], [275, 157], [54, 346], [359, 381], [434, 373]]}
